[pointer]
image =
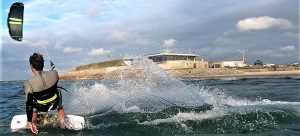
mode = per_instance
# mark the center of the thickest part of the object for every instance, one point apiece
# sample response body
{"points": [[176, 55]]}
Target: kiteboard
{"points": [[72, 122]]}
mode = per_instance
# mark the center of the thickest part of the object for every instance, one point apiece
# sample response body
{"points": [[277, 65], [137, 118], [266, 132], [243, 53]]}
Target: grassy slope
{"points": [[99, 65]]}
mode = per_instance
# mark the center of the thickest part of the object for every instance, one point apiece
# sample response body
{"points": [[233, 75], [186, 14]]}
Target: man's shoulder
{"points": [[52, 74], [27, 82], [27, 86]]}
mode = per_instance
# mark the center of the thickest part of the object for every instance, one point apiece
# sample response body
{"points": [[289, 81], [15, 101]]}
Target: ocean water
{"points": [[152, 102]]}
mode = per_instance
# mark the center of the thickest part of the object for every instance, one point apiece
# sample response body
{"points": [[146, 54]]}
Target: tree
{"points": [[258, 63]]}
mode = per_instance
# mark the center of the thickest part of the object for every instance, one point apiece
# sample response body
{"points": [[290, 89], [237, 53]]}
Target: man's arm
{"points": [[29, 107], [29, 100]]}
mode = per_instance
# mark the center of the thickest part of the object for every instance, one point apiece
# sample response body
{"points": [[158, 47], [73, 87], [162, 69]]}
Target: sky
{"points": [[73, 33]]}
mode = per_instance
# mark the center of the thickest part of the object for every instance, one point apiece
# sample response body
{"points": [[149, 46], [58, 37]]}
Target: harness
{"points": [[47, 99], [43, 102]]}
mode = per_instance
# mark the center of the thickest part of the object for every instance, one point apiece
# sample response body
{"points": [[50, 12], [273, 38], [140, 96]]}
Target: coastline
{"points": [[239, 73], [295, 73], [113, 72]]}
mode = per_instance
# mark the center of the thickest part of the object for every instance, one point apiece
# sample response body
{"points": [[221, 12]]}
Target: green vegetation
{"points": [[258, 63], [105, 64]]}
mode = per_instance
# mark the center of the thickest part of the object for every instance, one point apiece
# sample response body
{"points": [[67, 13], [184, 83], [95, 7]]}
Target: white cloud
{"points": [[120, 36], [288, 48], [35, 43], [169, 43], [71, 49], [98, 52], [264, 22]]}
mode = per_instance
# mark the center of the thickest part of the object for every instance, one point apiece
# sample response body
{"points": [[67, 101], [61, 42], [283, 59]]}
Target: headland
{"points": [[111, 69]]}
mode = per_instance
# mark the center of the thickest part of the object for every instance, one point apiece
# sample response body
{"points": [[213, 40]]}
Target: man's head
{"points": [[36, 61]]}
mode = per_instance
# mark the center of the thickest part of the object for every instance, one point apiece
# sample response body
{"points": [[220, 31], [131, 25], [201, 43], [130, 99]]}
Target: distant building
{"points": [[222, 64], [296, 64], [178, 60]]}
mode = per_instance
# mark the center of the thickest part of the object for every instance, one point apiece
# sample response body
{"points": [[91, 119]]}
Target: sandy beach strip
{"points": [[247, 74], [111, 72]]}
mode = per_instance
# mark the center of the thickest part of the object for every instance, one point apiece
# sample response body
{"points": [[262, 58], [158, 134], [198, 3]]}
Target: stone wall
{"points": [[183, 64]]}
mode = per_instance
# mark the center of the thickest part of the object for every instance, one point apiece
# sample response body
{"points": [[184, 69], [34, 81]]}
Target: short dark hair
{"points": [[36, 60]]}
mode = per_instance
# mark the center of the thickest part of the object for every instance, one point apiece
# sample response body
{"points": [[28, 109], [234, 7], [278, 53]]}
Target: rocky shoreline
{"points": [[112, 72]]}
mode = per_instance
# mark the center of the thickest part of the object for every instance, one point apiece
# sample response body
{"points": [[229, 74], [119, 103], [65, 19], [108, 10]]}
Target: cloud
{"points": [[169, 43], [266, 53], [95, 9], [225, 41], [129, 38], [98, 52], [264, 22], [291, 35], [120, 36], [36, 43], [58, 45], [141, 27], [71, 49], [288, 48]]}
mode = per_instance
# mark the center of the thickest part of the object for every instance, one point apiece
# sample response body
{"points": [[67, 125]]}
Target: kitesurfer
{"points": [[41, 93]]}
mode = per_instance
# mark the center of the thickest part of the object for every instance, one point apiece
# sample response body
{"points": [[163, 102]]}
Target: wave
{"points": [[151, 90], [234, 116], [153, 99], [203, 119]]}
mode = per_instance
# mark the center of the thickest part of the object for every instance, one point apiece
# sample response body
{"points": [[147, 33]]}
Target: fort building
{"points": [[170, 61]]}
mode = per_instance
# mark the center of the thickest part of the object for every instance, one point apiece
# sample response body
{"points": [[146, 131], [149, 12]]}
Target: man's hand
{"points": [[33, 128]]}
